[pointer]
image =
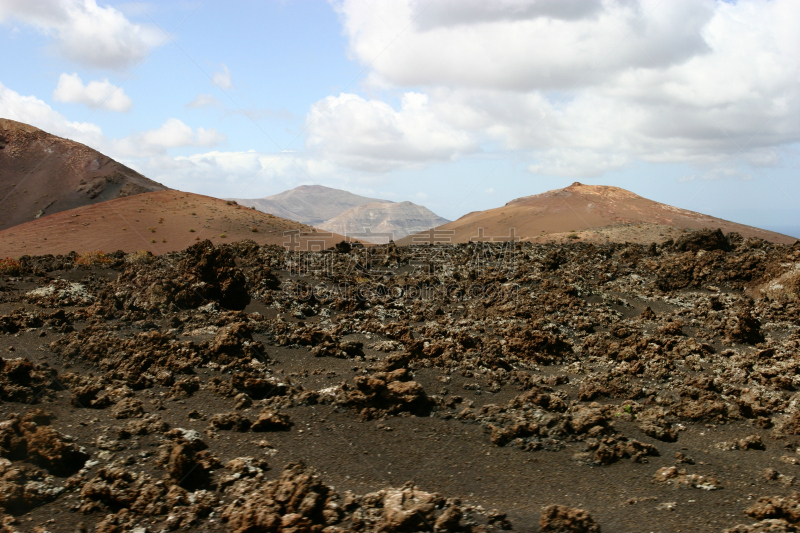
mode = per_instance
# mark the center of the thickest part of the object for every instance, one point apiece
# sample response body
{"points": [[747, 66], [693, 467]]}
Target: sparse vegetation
{"points": [[222, 236], [254, 229], [94, 258], [191, 230], [152, 240], [573, 236], [9, 267], [139, 257], [152, 230], [161, 220]]}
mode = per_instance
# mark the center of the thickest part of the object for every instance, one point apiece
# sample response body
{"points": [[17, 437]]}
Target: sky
{"points": [[458, 105]]}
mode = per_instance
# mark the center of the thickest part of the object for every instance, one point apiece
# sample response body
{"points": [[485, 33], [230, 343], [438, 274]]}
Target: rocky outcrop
{"points": [[300, 501], [562, 519], [206, 274], [29, 438]]}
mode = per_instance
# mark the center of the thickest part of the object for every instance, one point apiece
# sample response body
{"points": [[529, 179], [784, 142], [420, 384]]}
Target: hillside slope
{"points": [[42, 174], [159, 222], [585, 212]]}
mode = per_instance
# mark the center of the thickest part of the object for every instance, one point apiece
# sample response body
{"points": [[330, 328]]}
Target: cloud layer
{"points": [[576, 88], [84, 32], [370, 135]]}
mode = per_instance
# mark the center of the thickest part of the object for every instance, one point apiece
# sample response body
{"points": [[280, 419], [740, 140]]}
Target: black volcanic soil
{"points": [[481, 387]]}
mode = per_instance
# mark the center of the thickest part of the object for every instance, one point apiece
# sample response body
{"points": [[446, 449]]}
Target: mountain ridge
{"points": [[308, 204]]}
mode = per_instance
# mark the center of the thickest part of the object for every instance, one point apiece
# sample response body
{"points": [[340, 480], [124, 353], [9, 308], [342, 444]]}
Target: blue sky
{"points": [[459, 105]]}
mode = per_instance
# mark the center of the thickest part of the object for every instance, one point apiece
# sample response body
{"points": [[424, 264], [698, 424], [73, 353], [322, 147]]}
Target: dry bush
{"points": [[140, 257], [9, 267], [94, 258]]}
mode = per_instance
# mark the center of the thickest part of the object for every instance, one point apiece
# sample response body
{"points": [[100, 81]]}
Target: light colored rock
{"points": [[395, 219]]}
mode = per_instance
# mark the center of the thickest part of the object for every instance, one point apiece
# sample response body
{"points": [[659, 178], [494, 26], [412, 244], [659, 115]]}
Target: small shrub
{"points": [[222, 236], [94, 258], [152, 240], [197, 238], [191, 230], [192, 213], [161, 220], [152, 230], [573, 236], [9, 267], [139, 257], [254, 229]]}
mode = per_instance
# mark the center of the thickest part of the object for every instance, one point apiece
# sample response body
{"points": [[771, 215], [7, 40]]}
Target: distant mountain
{"points": [[308, 204], [585, 212], [388, 218], [41, 174]]}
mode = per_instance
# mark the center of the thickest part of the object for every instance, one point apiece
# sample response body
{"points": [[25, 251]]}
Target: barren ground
{"points": [[447, 388]]}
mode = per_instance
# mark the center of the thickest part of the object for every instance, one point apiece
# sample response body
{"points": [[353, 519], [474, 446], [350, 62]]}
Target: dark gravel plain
{"points": [[483, 387]]}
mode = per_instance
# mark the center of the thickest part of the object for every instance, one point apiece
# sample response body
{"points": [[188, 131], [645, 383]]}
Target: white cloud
{"points": [[577, 163], [236, 174], [94, 94], [204, 100], [33, 111], [84, 32], [370, 135], [172, 134], [578, 88], [518, 45], [489, 191], [138, 146], [222, 79]]}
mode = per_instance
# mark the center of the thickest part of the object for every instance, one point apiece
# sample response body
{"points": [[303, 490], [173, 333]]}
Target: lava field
{"points": [[572, 387]]}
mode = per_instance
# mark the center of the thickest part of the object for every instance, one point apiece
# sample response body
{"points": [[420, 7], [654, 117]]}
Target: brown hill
{"points": [[160, 222], [390, 220], [584, 212], [44, 174]]}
